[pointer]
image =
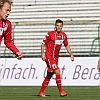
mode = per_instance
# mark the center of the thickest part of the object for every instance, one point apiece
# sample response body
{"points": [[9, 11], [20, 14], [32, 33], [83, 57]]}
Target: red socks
{"points": [[44, 84], [58, 82]]}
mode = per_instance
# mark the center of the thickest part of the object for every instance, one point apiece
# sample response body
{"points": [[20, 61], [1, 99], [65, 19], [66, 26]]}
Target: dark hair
{"points": [[59, 21], [4, 1]]}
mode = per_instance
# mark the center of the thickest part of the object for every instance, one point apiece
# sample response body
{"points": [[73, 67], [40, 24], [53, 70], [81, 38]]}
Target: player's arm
{"points": [[42, 51], [70, 52], [9, 43], [98, 65], [68, 48], [43, 46]]}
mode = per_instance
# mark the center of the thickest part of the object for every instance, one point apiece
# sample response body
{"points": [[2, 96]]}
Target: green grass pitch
{"points": [[30, 93]]}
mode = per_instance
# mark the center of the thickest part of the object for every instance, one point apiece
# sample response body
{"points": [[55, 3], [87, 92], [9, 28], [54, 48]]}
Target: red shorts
{"points": [[52, 65]]}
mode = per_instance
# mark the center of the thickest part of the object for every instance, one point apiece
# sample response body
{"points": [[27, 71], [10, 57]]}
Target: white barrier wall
{"points": [[31, 72], [23, 1]]}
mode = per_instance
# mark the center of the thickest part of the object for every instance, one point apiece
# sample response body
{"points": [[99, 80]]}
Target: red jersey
{"points": [[53, 42], [6, 32]]}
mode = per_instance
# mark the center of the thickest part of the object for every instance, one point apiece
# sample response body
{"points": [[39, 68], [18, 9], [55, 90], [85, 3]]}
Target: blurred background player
{"points": [[6, 27], [50, 53]]}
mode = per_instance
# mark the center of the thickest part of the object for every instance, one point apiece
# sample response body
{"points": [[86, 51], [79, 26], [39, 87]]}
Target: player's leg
{"points": [[45, 84], [58, 78], [53, 66], [58, 82]]}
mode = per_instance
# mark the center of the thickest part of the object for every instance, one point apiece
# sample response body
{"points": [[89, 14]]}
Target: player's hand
{"points": [[19, 55], [98, 66], [72, 58], [43, 56]]}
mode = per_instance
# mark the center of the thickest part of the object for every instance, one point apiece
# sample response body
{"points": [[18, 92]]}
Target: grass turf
{"points": [[30, 93]]}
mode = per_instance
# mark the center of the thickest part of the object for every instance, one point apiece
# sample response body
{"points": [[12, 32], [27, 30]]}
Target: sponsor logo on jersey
{"points": [[3, 29], [59, 42]]}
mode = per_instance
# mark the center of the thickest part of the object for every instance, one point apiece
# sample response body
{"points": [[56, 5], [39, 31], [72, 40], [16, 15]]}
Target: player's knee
{"points": [[57, 72]]}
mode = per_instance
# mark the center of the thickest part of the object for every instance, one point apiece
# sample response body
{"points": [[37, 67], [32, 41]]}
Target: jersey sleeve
{"points": [[8, 39], [46, 39], [65, 40]]}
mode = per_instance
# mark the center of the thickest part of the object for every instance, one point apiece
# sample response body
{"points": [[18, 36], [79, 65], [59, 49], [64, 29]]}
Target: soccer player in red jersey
{"points": [[6, 27], [50, 53]]}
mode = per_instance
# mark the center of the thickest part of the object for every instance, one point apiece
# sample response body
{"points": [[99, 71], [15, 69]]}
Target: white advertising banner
{"points": [[32, 71]]}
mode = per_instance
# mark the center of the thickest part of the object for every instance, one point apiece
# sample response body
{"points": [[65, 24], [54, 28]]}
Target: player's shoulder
{"points": [[51, 32], [8, 22], [64, 33]]}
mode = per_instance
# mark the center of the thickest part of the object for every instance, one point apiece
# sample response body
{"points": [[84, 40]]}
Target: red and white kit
{"points": [[6, 32], [53, 42]]}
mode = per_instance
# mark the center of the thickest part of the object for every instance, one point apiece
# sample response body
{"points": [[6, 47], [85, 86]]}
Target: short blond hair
{"points": [[4, 1]]}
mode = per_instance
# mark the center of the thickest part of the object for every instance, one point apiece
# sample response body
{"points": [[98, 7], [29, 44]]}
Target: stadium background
{"points": [[32, 19]]}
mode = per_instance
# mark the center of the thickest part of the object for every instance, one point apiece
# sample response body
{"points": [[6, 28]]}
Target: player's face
{"points": [[5, 11], [58, 27]]}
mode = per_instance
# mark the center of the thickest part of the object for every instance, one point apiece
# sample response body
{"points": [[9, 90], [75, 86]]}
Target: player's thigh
{"points": [[52, 65]]}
